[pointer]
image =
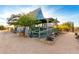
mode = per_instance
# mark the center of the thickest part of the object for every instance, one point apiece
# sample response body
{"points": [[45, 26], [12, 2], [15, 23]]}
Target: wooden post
{"points": [[72, 27], [39, 32], [47, 26]]}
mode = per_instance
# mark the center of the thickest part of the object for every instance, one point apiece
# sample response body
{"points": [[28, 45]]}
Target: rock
{"points": [[49, 38]]}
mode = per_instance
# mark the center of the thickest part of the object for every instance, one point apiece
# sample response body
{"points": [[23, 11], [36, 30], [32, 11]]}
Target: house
{"points": [[42, 28]]}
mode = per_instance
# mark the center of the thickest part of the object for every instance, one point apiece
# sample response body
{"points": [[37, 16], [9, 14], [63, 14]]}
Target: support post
{"points": [[39, 32]]}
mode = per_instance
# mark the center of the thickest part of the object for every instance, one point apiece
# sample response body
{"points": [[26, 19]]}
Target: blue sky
{"points": [[63, 13]]}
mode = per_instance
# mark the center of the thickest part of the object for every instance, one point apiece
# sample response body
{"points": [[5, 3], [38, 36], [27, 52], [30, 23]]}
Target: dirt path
{"points": [[67, 44], [12, 43]]}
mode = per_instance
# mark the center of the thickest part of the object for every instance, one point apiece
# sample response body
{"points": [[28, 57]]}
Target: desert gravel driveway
{"points": [[11, 43]]}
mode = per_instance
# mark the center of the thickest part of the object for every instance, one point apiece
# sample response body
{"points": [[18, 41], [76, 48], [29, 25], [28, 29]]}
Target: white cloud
{"points": [[51, 12]]}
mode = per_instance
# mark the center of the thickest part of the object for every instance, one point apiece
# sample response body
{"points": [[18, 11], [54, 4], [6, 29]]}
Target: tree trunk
{"points": [[26, 31]]}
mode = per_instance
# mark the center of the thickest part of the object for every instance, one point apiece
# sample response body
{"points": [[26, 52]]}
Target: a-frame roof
{"points": [[38, 14]]}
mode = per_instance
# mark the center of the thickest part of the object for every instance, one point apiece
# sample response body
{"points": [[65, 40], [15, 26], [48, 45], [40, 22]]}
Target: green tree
{"points": [[27, 20]]}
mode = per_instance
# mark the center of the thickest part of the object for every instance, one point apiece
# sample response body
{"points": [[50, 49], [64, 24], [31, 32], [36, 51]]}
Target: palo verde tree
{"points": [[27, 20], [67, 26]]}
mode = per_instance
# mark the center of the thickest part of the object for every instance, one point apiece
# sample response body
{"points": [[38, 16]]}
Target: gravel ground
{"points": [[11, 43]]}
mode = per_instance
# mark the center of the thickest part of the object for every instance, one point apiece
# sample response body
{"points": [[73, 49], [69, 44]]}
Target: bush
{"points": [[2, 27]]}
